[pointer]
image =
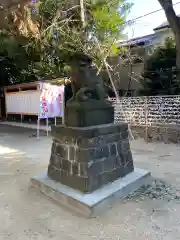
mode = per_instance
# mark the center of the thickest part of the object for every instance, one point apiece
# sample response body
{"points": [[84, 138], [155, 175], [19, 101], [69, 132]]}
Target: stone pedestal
{"points": [[90, 168], [90, 113], [88, 158], [95, 203]]}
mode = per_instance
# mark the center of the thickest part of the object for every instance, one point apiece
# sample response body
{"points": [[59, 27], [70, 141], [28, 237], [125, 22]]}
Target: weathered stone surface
{"points": [[95, 203], [88, 158], [90, 113], [169, 133], [89, 105], [71, 134]]}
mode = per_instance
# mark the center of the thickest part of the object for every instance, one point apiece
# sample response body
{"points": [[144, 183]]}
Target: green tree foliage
{"points": [[159, 77], [53, 31], [63, 28], [16, 59]]}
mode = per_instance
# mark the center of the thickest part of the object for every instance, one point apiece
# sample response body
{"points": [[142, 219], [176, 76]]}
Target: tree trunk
{"points": [[178, 55], [174, 22]]}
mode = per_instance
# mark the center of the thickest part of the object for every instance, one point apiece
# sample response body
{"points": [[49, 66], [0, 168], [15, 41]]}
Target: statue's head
{"points": [[81, 60]]}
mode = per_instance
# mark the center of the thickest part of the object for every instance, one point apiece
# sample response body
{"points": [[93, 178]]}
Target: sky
{"points": [[145, 25]]}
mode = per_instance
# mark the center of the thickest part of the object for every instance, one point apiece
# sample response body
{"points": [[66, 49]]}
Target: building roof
{"points": [[138, 41], [163, 25], [58, 81]]}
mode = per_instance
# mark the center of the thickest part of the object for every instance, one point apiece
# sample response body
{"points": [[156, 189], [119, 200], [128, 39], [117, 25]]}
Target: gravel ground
{"points": [[150, 214]]}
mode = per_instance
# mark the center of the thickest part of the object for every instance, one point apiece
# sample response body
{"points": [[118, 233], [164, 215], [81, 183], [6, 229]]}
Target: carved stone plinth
{"points": [[88, 158], [90, 113]]}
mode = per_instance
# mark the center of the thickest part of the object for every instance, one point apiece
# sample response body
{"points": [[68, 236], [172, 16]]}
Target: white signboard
{"points": [[23, 102], [47, 102]]}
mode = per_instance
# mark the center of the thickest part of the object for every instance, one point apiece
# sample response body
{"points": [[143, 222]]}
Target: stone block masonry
{"points": [[169, 133], [88, 158]]}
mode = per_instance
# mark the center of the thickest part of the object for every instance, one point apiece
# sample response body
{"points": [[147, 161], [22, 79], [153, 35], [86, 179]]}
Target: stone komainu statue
{"points": [[88, 106], [86, 84]]}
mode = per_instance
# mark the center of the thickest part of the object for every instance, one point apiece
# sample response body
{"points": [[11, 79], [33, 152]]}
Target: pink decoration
{"points": [[51, 100]]}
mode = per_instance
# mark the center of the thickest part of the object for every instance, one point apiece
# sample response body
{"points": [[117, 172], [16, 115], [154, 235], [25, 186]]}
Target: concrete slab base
{"points": [[95, 203]]}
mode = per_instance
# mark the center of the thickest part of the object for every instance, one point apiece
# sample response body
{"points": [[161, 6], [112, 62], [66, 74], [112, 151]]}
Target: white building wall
{"points": [[162, 35]]}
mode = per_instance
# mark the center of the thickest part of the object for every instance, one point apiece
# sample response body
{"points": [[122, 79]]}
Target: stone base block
{"points": [[88, 158], [95, 203], [90, 113]]}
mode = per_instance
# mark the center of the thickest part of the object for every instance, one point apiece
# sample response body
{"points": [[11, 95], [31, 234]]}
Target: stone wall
{"points": [[160, 113], [164, 133], [148, 111], [88, 158]]}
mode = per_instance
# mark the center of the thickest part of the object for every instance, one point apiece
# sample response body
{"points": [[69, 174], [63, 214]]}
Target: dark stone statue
{"points": [[89, 105], [86, 84]]}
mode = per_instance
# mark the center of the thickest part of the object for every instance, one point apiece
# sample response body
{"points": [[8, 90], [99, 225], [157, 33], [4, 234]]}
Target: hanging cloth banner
{"points": [[51, 100]]}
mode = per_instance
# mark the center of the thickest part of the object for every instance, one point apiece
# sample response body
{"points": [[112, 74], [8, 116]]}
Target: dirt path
{"points": [[26, 214]]}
